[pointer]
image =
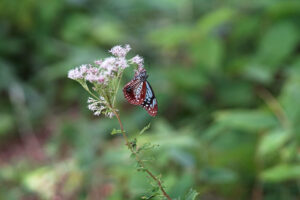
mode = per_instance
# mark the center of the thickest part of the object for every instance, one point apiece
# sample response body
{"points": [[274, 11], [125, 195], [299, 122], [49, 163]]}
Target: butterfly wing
{"points": [[135, 92], [150, 102]]}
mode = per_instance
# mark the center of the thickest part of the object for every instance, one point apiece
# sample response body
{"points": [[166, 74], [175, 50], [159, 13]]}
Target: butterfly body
{"points": [[139, 92]]}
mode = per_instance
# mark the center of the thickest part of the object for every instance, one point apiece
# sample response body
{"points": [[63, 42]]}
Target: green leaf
{"points": [[218, 175], [191, 195], [208, 53], [145, 129], [277, 44], [213, 20], [6, 123], [146, 146], [115, 131], [247, 120], [272, 142], [169, 37], [281, 172]]}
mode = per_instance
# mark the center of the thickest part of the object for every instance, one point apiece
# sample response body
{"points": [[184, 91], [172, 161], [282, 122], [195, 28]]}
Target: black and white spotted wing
{"points": [[150, 102]]}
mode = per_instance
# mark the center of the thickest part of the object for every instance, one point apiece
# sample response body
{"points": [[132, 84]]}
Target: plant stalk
{"points": [[138, 159]]}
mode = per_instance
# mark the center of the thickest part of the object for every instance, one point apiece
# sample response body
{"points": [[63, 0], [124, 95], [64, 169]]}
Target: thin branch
{"points": [[138, 159]]}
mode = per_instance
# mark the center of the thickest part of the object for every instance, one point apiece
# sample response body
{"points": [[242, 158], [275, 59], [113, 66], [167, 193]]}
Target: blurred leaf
{"points": [[241, 91], [44, 179], [169, 37], [208, 53], [290, 94], [191, 195], [272, 142], [281, 172], [6, 123], [115, 131], [76, 28], [277, 44], [213, 20], [108, 31], [218, 175], [282, 9], [181, 187], [257, 72], [195, 81], [7, 76], [182, 157], [248, 120]]}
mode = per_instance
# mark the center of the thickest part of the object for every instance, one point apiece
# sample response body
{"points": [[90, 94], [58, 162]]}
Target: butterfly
{"points": [[139, 92]]}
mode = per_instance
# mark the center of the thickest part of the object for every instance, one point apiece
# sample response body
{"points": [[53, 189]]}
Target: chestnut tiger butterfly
{"points": [[139, 92]]}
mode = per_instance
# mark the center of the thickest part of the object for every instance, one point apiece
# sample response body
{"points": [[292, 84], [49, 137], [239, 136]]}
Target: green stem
{"points": [[157, 180], [84, 85], [117, 88]]}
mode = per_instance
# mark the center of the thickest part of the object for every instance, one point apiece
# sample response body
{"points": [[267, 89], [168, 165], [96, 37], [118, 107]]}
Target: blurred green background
{"points": [[226, 74]]}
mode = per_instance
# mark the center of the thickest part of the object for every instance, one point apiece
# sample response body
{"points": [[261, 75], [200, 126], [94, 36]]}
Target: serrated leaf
{"points": [[145, 129], [115, 131], [191, 195]]}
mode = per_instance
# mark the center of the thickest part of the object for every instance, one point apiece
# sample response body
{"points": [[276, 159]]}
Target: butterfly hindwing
{"points": [[150, 102]]}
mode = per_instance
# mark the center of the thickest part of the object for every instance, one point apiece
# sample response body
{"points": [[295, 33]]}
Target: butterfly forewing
{"points": [[150, 102]]}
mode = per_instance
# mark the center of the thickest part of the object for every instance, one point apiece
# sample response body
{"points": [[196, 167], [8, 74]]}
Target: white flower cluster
{"points": [[137, 60], [104, 76], [105, 69], [97, 106], [119, 51]]}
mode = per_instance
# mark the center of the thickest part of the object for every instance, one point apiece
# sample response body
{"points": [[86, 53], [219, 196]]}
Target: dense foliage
{"points": [[226, 75]]}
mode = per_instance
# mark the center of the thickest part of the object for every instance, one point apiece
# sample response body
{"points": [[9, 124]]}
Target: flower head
{"points": [[78, 73], [137, 60], [108, 64], [104, 76], [121, 63], [96, 106], [120, 51]]}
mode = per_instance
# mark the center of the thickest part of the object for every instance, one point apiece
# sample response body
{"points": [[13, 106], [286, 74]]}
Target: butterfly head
{"points": [[141, 74]]}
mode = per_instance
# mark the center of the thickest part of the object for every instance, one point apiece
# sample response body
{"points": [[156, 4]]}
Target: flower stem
{"points": [[117, 87], [139, 160], [84, 85]]}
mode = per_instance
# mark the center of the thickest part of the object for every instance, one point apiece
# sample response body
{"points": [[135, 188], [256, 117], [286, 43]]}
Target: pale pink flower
{"points": [[121, 63], [137, 60], [95, 106], [91, 77], [109, 64], [92, 74], [98, 62], [102, 79], [102, 75], [91, 100], [77, 73], [120, 51], [92, 70], [110, 114]]}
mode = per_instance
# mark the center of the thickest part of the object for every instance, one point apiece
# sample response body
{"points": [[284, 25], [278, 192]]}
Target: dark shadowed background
{"points": [[226, 74]]}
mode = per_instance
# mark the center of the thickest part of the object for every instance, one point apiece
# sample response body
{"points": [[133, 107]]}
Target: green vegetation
{"points": [[226, 75]]}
